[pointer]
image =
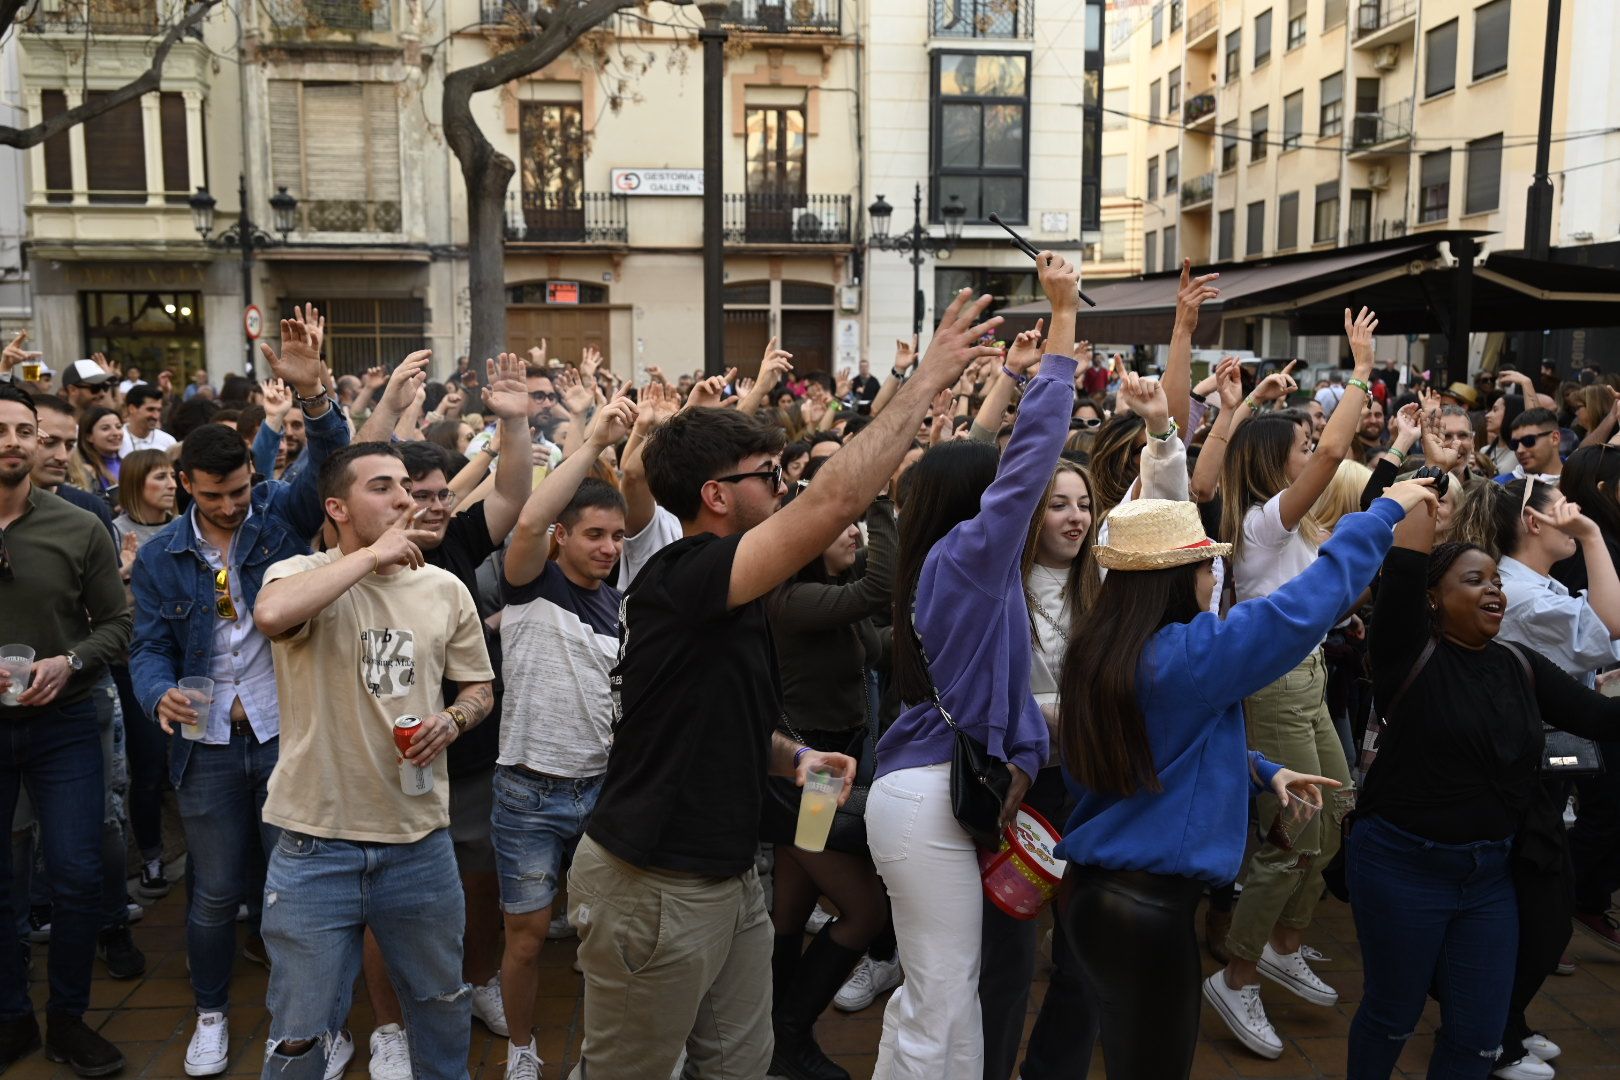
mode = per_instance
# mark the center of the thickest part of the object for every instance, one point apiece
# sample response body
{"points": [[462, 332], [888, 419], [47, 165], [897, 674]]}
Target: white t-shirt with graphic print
{"points": [[378, 652]]}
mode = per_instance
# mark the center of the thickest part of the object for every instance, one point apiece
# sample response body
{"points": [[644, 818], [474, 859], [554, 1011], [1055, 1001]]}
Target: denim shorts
{"points": [[534, 823]]}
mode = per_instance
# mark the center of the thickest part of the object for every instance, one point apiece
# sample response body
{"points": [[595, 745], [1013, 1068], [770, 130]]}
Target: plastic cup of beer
{"points": [[16, 661], [201, 693], [818, 802], [1292, 818], [31, 370]]}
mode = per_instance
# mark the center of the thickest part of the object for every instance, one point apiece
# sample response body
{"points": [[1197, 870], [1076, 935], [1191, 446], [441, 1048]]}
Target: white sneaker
{"points": [[390, 1054], [818, 919], [1244, 1015], [522, 1063], [1291, 972], [210, 1048], [869, 979], [1543, 1047], [1528, 1067], [488, 1007], [560, 927], [338, 1059]]}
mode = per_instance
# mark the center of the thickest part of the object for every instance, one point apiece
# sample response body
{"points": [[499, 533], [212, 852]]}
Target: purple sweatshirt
{"points": [[971, 613]]}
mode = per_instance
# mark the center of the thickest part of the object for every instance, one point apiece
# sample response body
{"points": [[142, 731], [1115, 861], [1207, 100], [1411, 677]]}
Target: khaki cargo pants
{"points": [[671, 962], [1289, 723]]}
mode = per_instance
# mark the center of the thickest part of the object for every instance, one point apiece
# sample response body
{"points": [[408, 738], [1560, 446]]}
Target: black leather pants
{"points": [[1133, 932]]}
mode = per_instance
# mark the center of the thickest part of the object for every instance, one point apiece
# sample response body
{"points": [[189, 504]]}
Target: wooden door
{"points": [[567, 330], [808, 336]]}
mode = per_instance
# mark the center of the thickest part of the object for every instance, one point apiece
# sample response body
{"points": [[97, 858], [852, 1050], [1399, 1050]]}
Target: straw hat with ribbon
{"points": [[1156, 534], [1463, 393]]}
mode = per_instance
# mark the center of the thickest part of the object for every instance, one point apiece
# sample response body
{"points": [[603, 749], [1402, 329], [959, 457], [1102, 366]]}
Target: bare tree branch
{"points": [[8, 13], [147, 82]]}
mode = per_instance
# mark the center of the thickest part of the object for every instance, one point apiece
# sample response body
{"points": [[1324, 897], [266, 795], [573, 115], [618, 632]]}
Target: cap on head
{"points": [[85, 373]]}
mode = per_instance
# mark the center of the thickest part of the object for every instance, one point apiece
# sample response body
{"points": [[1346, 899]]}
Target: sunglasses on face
{"points": [[224, 606], [773, 475], [1529, 441], [1081, 424]]}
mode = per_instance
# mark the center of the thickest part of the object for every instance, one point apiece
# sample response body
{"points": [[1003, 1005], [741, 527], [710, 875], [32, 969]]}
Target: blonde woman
{"points": [[1270, 481]]}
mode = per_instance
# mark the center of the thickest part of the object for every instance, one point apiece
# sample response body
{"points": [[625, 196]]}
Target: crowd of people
{"points": [[435, 671]]}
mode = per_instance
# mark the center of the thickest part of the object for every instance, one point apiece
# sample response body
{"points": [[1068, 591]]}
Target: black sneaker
{"points": [[39, 924], [18, 1039], [153, 885], [69, 1039], [117, 949]]}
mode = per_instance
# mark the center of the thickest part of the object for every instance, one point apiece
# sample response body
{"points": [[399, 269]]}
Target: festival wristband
{"points": [[1359, 384], [797, 754], [1013, 375]]}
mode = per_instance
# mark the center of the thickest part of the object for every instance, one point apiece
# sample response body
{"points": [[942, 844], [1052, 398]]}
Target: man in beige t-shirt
{"points": [[362, 635]]}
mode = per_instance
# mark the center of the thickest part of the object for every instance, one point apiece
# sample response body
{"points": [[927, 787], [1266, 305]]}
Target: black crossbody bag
{"points": [[979, 781]]}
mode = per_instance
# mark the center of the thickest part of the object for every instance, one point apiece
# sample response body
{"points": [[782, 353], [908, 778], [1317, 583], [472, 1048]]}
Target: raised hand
{"points": [[1435, 450], [507, 395], [408, 378], [375, 378], [1060, 280], [1025, 352], [846, 378], [314, 324], [613, 423], [1192, 295], [277, 402], [106, 365], [812, 409], [1567, 518], [589, 361], [1430, 402], [705, 393], [959, 340], [1229, 382], [300, 360], [1277, 385], [537, 354], [576, 397], [1414, 493], [450, 405], [165, 383], [15, 354], [128, 548], [1145, 398], [1360, 331], [905, 353], [1082, 355], [1408, 425]]}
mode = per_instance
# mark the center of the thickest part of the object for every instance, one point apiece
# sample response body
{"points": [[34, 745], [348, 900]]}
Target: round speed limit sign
{"points": [[253, 322]]}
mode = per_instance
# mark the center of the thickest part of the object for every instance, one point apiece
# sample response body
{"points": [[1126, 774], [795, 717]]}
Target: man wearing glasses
{"points": [[1534, 441], [195, 586], [461, 543], [60, 592]]}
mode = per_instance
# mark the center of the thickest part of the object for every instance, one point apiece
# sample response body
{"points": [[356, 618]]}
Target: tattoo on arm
{"points": [[477, 700]]}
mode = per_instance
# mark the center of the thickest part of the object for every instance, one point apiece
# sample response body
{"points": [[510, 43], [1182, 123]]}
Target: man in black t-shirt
{"points": [[675, 942], [459, 543]]}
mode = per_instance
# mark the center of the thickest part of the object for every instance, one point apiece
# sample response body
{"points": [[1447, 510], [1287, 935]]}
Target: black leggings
{"points": [[1133, 932]]}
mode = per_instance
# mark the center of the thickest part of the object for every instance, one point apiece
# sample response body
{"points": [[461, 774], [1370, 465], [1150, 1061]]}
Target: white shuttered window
{"points": [[345, 173]]}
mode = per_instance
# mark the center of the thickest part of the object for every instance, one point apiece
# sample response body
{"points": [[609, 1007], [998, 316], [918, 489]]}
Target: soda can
{"points": [[413, 779]]}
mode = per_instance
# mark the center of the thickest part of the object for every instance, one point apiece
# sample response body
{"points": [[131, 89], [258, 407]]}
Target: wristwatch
{"points": [[74, 662], [898, 374], [305, 404], [458, 716]]}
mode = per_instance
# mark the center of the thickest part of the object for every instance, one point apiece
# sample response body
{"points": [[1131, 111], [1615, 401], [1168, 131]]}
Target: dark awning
{"points": [[1412, 282]]}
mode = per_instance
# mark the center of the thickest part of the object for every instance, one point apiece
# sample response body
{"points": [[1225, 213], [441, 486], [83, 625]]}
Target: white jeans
{"points": [[932, 1028]]}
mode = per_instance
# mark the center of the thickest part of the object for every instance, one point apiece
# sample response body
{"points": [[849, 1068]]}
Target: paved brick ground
{"points": [[150, 1018]]}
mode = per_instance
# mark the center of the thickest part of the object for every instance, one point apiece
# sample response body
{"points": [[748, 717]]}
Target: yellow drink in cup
{"points": [[818, 802], [31, 370]]}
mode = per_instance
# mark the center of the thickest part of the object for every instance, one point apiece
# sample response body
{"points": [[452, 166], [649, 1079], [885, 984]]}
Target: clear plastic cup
{"points": [[818, 802], [1292, 818], [201, 693], [16, 661]]}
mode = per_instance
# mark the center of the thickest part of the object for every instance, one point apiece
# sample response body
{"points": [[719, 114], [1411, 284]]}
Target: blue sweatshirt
{"points": [[971, 613], [1191, 680]]}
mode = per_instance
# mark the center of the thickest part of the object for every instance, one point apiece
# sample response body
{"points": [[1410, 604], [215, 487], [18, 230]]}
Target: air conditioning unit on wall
{"points": [[1378, 177], [1387, 57]]}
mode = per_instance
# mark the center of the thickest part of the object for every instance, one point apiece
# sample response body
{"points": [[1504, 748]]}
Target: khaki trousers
{"points": [[672, 962]]}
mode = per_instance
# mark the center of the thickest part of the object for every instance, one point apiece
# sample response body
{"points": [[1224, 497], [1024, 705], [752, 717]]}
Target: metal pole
{"points": [[714, 329], [1539, 207], [244, 230], [916, 262]]}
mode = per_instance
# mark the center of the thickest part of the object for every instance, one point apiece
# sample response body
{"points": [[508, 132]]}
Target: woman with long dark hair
{"points": [[826, 645], [101, 435], [961, 629], [1498, 426], [1430, 855], [1270, 481], [1153, 743]]}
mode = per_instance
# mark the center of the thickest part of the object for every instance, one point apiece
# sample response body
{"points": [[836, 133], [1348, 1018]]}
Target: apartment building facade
{"points": [[1266, 127]]}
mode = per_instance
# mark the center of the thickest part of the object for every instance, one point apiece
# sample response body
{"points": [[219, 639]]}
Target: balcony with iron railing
{"points": [[785, 16], [786, 219], [349, 216], [500, 12], [1385, 131], [982, 18], [1202, 25], [1385, 22], [1197, 191], [96, 17], [566, 217], [1199, 112], [1367, 232], [320, 18]]}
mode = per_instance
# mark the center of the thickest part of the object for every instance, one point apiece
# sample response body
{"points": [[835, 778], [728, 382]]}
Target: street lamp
{"points": [[917, 240], [245, 235]]}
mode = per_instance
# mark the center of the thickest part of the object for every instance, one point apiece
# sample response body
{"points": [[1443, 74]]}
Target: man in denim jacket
{"points": [[195, 586]]}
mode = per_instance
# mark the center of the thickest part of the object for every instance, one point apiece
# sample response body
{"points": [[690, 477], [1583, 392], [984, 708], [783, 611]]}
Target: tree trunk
{"points": [[487, 177]]}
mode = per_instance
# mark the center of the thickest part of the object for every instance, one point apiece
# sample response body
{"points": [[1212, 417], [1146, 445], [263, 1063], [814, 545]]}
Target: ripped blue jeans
{"points": [[1430, 914], [319, 897]]}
